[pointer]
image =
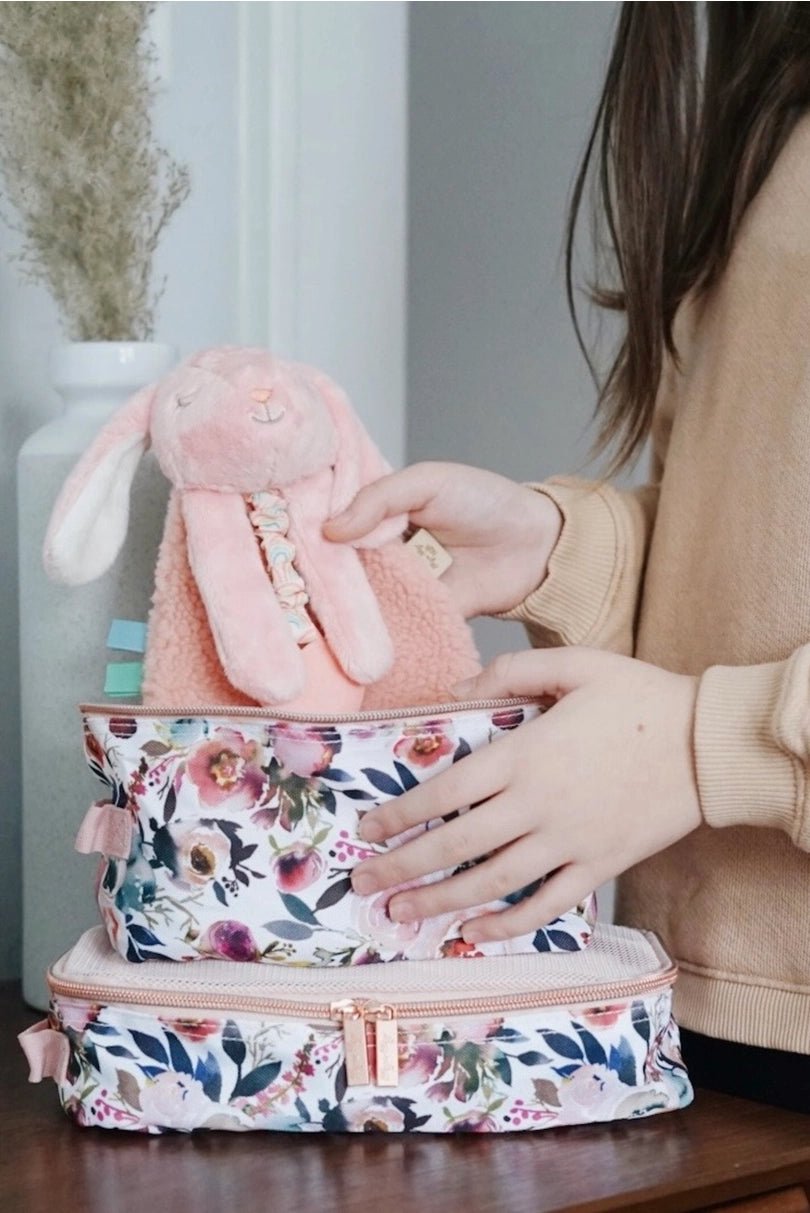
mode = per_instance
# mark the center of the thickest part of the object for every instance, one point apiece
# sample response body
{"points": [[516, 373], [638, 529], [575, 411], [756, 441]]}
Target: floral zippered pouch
{"points": [[234, 834], [497, 1044]]}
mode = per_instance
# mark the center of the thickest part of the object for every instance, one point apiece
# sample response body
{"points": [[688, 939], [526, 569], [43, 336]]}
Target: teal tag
{"points": [[127, 634], [124, 678]]}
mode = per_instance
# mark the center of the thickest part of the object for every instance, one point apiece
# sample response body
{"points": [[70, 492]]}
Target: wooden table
{"points": [[720, 1149]]}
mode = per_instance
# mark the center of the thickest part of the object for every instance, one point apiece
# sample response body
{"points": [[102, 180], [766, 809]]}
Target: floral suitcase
{"points": [[234, 834], [496, 1044]]}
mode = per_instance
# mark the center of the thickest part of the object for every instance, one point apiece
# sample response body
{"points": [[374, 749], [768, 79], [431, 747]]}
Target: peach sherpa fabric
{"points": [[433, 645]]}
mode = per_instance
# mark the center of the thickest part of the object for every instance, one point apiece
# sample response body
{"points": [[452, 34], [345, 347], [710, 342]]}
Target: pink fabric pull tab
{"points": [[48, 1052], [107, 829]]}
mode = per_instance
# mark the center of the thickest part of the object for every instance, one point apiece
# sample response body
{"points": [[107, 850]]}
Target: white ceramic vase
{"points": [[63, 634]]}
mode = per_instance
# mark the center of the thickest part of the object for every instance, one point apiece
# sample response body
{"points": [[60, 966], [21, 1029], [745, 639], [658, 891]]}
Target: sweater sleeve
{"points": [[590, 594], [752, 745]]}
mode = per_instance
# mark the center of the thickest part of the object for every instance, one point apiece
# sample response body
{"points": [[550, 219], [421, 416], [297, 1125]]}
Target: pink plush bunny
{"points": [[228, 423]]}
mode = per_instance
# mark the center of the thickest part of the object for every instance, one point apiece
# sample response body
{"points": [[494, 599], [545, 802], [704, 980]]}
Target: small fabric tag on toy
{"points": [[128, 635], [429, 549], [123, 678]]}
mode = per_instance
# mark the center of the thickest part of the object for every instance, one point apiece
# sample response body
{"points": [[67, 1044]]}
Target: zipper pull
{"points": [[386, 1045], [352, 1017]]}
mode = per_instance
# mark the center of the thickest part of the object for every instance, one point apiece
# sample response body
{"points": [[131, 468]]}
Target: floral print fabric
{"points": [[510, 1072], [245, 836], [270, 520]]}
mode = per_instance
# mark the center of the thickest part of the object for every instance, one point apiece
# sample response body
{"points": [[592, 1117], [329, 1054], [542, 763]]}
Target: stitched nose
{"points": [[261, 395]]}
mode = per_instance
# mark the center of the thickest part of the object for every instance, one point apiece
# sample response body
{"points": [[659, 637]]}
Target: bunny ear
{"points": [[89, 519], [358, 462]]}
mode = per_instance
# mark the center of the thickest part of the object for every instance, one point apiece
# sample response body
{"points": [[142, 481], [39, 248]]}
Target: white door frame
{"points": [[322, 196]]}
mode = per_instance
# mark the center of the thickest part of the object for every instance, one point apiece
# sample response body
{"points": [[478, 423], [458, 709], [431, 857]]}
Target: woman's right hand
{"points": [[500, 534]]}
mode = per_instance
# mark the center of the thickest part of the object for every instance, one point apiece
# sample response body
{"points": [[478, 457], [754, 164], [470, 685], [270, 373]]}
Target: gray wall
{"points": [[501, 100]]}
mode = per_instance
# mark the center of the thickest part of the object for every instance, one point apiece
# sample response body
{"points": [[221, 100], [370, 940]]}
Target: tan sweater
{"points": [[706, 571]]}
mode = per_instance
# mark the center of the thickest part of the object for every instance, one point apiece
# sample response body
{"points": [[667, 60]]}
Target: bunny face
{"points": [[231, 419], [238, 420]]}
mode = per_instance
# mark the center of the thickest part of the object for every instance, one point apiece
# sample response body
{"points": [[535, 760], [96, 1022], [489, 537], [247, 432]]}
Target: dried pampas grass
{"points": [[91, 190]]}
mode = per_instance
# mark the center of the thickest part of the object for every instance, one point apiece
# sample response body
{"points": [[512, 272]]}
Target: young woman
{"points": [[671, 624]]}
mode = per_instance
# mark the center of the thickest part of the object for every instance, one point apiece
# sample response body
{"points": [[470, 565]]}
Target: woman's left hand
{"points": [[597, 783]]}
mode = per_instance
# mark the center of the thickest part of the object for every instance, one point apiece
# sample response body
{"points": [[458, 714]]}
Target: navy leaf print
{"points": [[565, 1071], [621, 1060], [593, 1050], [256, 1080], [563, 941], [229, 828], [120, 1051], [522, 894], [561, 1044], [533, 1059], [301, 1109], [333, 1119], [133, 955], [151, 1071], [336, 776], [143, 936], [295, 906], [540, 943], [462, 750], [151, 1047], [102, 1029], [504, 1069], [410, 1120], [288, 930], [164, 850], [208, 1075], [383, 782], [326, 800], [357, 794], [110, 875], [181, 1062], [232, 1044], [408, 778], [340, 1083], [91, 1053], [641, 1020], [169, 805], [219, 893], [334, 893]]}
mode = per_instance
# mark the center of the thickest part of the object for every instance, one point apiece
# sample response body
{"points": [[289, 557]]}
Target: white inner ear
{"points": [[94, 529]]}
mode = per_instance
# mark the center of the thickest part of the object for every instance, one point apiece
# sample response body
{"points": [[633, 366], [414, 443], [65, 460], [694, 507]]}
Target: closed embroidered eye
{"points": [[183, 402]]}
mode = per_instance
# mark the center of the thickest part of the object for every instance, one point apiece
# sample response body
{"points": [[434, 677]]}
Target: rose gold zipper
{"points": [[431, 709], [369, 1029]]}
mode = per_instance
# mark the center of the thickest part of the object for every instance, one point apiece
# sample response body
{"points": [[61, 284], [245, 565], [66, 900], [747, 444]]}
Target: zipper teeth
{"points": [[430, 709], [592, 995]]}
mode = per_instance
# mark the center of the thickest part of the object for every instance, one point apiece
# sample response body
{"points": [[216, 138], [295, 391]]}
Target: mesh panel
{"points": [[616, 955]]}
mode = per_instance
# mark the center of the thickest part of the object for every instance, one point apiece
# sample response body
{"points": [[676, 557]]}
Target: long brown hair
{"points": [[682, 140]]}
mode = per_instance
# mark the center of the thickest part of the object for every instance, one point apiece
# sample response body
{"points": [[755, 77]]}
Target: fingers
{"points": [[497, 877], [467, 837], [405, 492], [566, 888], [540, 672], [473, 779]]}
